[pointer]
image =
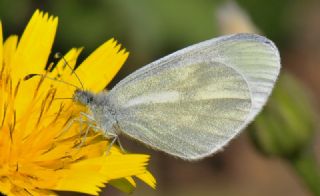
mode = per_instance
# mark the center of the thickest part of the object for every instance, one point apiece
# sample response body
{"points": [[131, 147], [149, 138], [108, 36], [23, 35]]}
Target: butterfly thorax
{"points": [[103, 113]]}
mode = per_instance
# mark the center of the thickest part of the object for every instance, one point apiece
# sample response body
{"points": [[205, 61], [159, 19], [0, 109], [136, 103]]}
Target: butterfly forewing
{"points": [[253, 56], [188, 110], [192, 102], [256, 57]]}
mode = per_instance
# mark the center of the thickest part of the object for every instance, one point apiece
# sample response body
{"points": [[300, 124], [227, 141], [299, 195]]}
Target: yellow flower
{"points": [[40, 152]]}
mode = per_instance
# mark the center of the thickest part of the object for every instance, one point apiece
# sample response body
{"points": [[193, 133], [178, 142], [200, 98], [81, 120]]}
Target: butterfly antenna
{"points": [[27, 77], [58, 55]]}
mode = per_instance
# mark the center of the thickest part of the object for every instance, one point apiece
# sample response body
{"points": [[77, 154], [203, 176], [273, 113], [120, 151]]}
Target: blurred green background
{"points": [[152, 29]]}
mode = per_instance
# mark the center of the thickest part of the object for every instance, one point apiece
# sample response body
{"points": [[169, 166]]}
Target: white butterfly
{"points": [[191, 103]]}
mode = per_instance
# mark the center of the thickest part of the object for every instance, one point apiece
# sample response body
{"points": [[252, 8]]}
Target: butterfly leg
{"points": [[89, 122], [81, 121], [90, 125], [114, 139], [83, 140], [120, 146], [90, 117], [110, 136], [69, 124]]}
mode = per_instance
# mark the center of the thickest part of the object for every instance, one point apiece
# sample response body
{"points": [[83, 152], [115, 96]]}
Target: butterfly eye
{"points": [[90, 99]]}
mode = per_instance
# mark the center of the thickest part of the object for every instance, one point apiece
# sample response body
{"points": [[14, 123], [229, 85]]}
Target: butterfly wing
{"points": [[192, 102], [188, 111]]}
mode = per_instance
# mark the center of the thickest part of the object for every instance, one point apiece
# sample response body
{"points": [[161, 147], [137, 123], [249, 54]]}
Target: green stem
{"points": [[306, 166]]}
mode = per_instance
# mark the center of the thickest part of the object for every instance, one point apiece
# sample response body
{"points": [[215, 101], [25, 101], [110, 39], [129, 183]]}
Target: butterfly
{"points": [[191, 103]]}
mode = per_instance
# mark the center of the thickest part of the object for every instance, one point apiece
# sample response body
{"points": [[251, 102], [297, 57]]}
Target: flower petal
{"points": [[102, 65], [66, 64], [89, 175], [35, 45], [39, 147], [63, 72], [9, 49], [1, 47], [148, 178]]}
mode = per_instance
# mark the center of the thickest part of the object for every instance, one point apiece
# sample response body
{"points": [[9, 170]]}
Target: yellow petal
{"points": [[131, 181], [102, 65], [9, 49], [1, 47], [148, 178], [35, 45], [35, 157], [64, 72], [31, 56], [85, 181], [137, 163], [88, 175], [66, 64], [5, 187]]}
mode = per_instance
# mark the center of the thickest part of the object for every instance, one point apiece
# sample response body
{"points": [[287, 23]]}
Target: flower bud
{"points": [[287, 123]]}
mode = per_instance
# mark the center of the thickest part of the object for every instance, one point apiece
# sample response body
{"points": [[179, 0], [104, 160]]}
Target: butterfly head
{"points": [[83, 97]]}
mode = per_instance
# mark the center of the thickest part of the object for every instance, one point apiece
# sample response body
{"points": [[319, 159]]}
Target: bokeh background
{"points": [[152, 29]]}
